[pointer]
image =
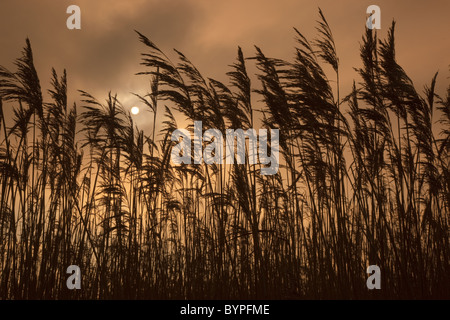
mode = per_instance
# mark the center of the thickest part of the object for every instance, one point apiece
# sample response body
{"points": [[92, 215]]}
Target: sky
{"points": [[105, 54]]}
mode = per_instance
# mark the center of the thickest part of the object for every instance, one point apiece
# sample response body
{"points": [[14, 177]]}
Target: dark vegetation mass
{"points": [[364, 179]]}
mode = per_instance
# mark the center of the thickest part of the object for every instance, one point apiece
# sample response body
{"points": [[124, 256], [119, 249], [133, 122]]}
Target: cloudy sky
{"points": [[105, 54]]}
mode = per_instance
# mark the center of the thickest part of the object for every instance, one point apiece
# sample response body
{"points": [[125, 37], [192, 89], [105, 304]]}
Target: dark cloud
{"points": [[104, 54]]}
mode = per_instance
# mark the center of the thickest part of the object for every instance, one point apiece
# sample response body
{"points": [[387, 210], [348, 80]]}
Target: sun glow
{"points": [[135, 110]]}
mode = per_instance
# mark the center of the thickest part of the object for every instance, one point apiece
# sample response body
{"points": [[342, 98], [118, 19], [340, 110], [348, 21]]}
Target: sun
{"points": [[135, 110]]}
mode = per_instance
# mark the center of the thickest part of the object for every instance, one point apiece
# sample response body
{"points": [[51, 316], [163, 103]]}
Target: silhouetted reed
{"points": [[363, 180]]}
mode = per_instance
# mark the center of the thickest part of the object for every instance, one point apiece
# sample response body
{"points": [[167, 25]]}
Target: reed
{"points": [[364, 179]]}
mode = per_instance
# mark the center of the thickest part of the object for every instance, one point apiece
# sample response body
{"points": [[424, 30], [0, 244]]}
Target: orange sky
{"points": [[104, 54]]}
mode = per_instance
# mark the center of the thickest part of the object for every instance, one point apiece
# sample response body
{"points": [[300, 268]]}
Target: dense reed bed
{"points": [[364, 179]]}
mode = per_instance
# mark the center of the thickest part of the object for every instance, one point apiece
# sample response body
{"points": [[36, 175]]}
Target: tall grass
{"points": [[364, 179]]}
